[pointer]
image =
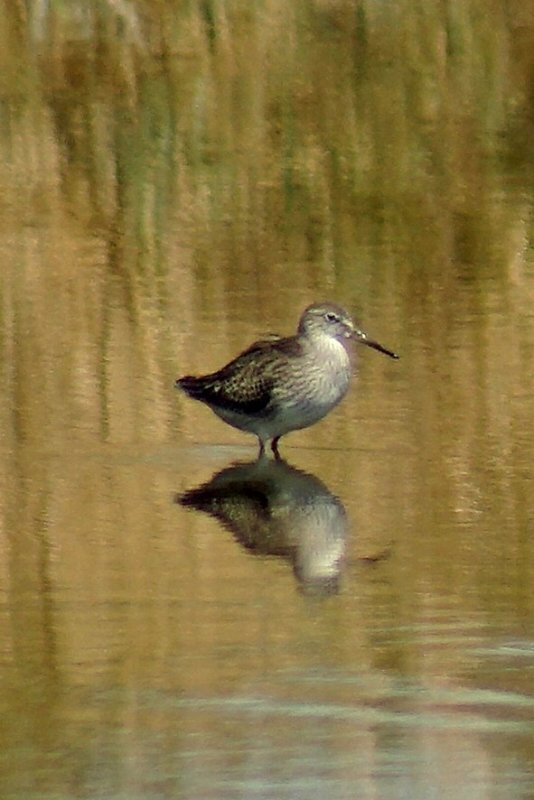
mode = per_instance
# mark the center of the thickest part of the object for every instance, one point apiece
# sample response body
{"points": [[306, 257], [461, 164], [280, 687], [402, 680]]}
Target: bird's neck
{"points": [[329, 346]]}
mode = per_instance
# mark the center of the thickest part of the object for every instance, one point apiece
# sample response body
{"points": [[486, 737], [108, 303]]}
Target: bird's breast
{"points": [[320, 377]]}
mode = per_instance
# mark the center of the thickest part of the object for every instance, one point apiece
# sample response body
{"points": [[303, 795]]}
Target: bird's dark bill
{"points": [[377, 346]]}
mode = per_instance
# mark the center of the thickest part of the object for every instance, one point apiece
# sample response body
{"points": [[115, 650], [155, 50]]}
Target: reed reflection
{"points": [[274, 509]]}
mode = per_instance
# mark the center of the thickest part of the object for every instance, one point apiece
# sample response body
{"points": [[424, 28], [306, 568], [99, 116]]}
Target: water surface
{"points": [[176, 620]]}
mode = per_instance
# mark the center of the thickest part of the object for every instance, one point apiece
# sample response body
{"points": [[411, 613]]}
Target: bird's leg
{"points": [[262, 448], [274, 446]]}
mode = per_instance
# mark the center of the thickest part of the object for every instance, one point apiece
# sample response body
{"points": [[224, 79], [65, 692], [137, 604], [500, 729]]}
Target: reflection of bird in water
{"points": [[280, 384], [274, 509]]}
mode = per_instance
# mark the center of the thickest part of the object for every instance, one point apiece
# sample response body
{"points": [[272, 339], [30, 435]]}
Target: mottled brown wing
{"points": [[245, 384]]}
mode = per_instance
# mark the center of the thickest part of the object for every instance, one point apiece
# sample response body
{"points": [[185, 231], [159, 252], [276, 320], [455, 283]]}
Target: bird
{"points": [[282, 384]]}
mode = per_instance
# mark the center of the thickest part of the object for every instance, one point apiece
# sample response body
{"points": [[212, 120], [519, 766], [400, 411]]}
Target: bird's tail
{"points": [[190, 385]]}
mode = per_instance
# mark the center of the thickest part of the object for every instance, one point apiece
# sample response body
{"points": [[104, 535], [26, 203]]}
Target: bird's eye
{"points": [[331, 317]]}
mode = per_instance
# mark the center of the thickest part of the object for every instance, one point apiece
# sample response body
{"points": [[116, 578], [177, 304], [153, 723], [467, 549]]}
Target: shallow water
{"points": [[176, 619]]}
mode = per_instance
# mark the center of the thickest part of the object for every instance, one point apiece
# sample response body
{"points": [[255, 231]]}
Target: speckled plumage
{"points": [[278, 385]]}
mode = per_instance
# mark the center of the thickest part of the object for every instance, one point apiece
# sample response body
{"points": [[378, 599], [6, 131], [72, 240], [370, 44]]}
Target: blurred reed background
{"points": [[173, 156]]}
